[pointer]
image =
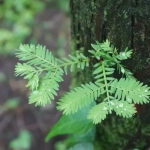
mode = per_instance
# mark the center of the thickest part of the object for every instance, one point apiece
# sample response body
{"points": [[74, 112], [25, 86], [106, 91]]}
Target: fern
{"points": [[44, 73], [80, 97], [46, 91], [130, 90], [74, 62], [99, 112], [36, 56]]}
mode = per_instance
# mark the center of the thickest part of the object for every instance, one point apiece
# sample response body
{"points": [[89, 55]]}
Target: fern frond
{"points": [[48, 85], [98, 112], [80, 97], [103, 72], [122, 69], [117, 58], [125, 54], [103, 50], [44, 73], [36, 56], [130, 90], [24, 69], [105, 46], [80, 61], [30, 73], [123, 108]]}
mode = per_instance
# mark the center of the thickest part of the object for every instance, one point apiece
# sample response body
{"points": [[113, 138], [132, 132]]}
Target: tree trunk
{"points": [[126, 24]]}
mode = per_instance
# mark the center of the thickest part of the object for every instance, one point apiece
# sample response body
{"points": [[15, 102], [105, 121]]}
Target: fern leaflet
{"points": [[80, 97], [98, 113], [130, 90], [43, 71]]}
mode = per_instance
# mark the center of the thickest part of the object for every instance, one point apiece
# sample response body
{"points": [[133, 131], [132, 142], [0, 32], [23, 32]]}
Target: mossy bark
{"points": [[126, 24], [86, 28]]}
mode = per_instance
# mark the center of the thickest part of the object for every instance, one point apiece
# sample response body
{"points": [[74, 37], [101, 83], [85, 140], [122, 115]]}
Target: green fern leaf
{"points": [[30, 73], [48, 85], [125, 54], [122, 69], [98, 70], [24, 69], [80, 61], [103, 73], [33, 83], [123, 108], [36, 56], [44, 73], [130, 90], [98, 112], [80, 97], [106, 46]]}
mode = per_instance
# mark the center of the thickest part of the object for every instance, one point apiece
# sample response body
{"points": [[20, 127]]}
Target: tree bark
{"points": [[126, 23]]}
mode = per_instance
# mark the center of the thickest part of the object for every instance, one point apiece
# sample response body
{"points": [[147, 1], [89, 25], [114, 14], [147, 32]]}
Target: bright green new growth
{"points": [[44, 72]]}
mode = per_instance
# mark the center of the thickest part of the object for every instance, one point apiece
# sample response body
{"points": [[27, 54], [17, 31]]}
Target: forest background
{"points": [[46, 22]]}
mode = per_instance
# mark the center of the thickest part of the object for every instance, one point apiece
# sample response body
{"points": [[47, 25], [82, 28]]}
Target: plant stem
{"points": [[106, 84]]}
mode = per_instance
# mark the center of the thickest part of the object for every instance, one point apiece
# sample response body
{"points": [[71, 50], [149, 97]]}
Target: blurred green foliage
{"points": [[60, 4], [2, 77], [64, 5], [23, 141], [16, 19], [12, 103], [60, 146]]}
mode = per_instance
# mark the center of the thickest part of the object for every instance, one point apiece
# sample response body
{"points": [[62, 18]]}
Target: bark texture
{"points": [[126, 23]]}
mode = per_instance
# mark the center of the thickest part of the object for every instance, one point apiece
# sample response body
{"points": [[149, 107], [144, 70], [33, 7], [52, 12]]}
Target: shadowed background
{"points": [[47, 22]]}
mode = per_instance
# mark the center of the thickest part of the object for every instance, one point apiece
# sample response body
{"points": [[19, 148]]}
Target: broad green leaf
{"points": [[72, 124], [88, 136]]}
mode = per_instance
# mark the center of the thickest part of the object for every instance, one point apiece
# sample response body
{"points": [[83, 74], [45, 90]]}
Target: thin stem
{"points": [[44, 60], [106, 84], [67, 64], [70, 63]]}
